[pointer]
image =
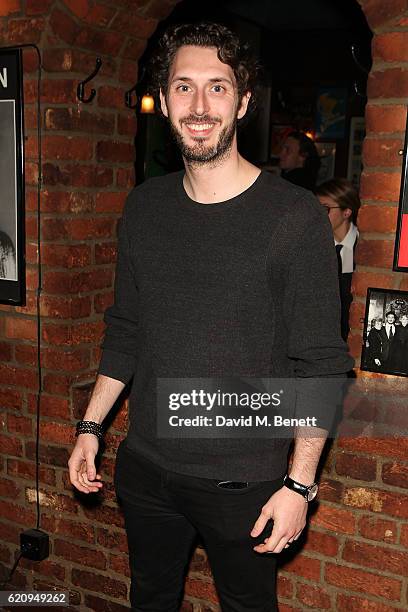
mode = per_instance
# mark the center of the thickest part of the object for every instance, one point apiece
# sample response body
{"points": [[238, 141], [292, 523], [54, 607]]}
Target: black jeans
{"points": [[165, 511]]}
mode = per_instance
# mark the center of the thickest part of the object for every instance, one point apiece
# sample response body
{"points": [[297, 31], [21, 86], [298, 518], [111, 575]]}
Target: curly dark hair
{"points": [[230, 51]]}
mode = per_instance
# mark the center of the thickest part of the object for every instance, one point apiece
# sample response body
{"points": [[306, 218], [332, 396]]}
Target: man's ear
{"points": [[347, 212], [243, 107], [163, 104]]}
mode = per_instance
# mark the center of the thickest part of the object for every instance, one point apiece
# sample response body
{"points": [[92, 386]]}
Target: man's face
{"points": [[378, 324], [390, 319], [202, 104], [404, 320], [337, 216], [290, 156]]}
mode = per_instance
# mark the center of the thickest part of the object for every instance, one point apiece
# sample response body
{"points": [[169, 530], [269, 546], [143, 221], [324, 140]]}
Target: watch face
{"points": [[312, 492]]}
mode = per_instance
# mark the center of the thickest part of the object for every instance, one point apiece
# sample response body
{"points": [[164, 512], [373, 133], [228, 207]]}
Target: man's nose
{"points": [[200, 104]]}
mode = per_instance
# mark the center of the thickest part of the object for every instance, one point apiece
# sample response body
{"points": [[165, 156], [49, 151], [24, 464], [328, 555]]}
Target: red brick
{"points": [[363, 280], [10, 445], [103, 301], [384, 447], [395, 415], [27, 471], [99, 583], [284, 587], [201, 589], [5, 555], [78, 228], [105, 252], [72, 361], [391, 83], [51, 406], [67, 202], [386, 502], [16, 423], [111, 97], [96, 603], [106, 42], [77, 175], [56, 501], [8, 488], [6, 351], [87, 332], [376, 557], [25, 30], [114, 151], [37, 7], [64, 26], [330, 490], [334, 519], [384, 186], [94, 14], [313, 596], [26, 355], [72, 529], [128, 72], [359, 580], [56, 432], [10, 399], [303, 566], [378, 13], [322, 543], [131, 23], [57, 335], [44, 567], [105, 514], [8, 7], [390, 47], [10, 533], [404, 535], [125, 177], [31, 173], [381, 530], [385, 119], [382, 152], [75, 60], [351, 603], [58, 91], [51, 455], [67, 282], [395, 474], [134, 48], [110, 201], [79, 554], [376, 253], [59, 384], [65, 308], [67, 147], [382, 219], [78, 120], [16, 514], [120, 564], [66, 256], [356, 466]]}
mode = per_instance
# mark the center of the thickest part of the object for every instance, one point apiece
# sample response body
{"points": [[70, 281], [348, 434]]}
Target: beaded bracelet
{"points": [[89, 427]]}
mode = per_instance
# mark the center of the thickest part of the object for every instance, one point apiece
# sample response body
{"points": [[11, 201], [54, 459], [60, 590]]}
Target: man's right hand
{"points": [[82, 471]]}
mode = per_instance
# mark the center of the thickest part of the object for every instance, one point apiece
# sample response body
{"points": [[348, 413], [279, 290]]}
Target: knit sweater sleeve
{"points": [[314, 340], [120, 344]]}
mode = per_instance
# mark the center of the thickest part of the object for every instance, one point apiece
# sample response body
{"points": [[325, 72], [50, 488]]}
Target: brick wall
{"points": [[354, 556]]}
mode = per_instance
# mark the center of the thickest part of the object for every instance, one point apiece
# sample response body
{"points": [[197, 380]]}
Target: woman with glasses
{"points": [[342, 203]]}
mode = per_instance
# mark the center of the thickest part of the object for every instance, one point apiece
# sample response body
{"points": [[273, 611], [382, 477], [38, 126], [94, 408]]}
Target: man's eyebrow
{"points": [[212, 80]]}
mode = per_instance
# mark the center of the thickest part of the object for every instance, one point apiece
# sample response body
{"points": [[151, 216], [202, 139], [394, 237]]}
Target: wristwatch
{"points": [[308, 492]]}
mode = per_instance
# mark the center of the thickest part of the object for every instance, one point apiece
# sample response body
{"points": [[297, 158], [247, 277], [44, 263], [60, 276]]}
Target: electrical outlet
{"points": [[34, 544]]}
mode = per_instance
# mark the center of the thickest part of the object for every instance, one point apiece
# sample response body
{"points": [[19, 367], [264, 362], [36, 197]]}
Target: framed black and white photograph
{"points": [[385, 340], [401, 238], [12, 258]]}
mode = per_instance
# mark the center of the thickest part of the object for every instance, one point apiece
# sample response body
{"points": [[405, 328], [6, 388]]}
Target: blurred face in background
{"points": [[290, 156], [338, 217], [404, 320], [378, 324]]}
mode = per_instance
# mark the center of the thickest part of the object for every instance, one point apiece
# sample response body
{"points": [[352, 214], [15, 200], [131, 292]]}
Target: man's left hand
{"points": [[288, 511]]}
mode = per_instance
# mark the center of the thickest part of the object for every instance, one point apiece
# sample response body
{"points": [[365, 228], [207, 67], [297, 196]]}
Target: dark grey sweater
{"points": [[246, 287]]}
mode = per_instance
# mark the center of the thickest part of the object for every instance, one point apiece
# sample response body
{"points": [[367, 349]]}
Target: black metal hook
{"points": [[81, 85], [128, 97], [360, 66]]}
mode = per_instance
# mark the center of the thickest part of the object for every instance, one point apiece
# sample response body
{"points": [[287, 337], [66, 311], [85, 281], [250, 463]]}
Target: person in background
{"points": [[342, 203], [299, 160], [8, 269], [375, 345]]}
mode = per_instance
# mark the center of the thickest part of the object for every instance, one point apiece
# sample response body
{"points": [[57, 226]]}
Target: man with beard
{"points": [[208, 259]]}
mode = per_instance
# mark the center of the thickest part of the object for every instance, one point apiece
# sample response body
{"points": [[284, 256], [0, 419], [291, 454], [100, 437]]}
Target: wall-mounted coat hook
{"points": [[128, 98], [360, 66], [81, 85]]}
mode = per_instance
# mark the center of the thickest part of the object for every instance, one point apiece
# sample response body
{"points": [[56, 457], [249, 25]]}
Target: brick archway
{"points": [[87, 170]]}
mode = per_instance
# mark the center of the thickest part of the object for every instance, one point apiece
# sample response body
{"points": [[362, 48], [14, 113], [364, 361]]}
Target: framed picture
{"points": [[330, 120], [385, 340], [401, 238], [12, 250], [354, 165], [327, 154]]}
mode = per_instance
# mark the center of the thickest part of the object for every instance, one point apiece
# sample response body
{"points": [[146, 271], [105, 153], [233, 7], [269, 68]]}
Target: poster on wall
{"points": [[12, 260], [401, 238], [330, 121], [385, 340]]}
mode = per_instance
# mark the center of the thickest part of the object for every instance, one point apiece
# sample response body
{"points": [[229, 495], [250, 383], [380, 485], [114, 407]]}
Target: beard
{"points": [[200, 153]]}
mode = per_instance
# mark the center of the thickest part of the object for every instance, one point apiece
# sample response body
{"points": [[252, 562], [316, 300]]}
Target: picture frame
{"points": [[400, 263], [385, 337], [355, 150], [12, 218]]}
